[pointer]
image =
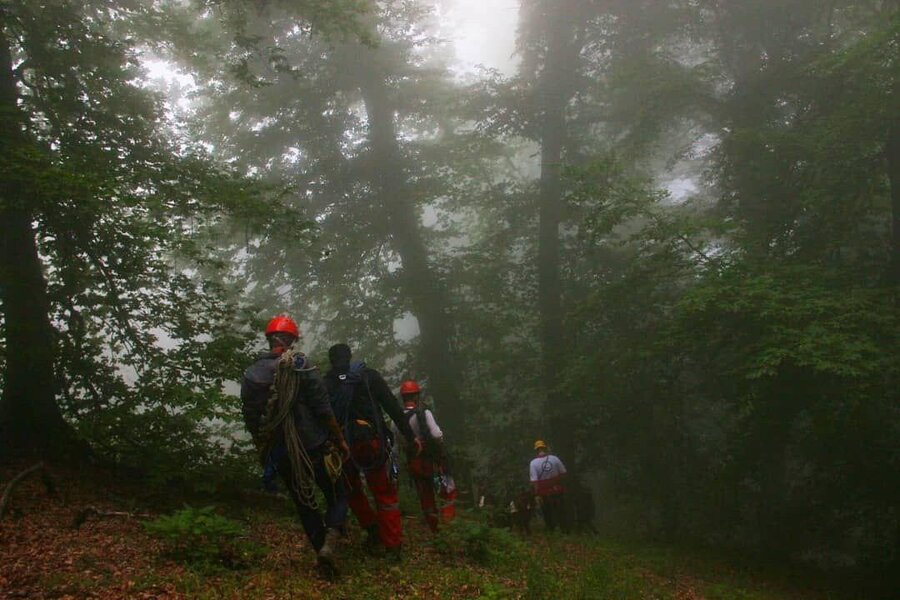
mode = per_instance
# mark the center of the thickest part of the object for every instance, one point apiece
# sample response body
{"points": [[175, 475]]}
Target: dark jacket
{"points": [[366, 407], [312, 410]]}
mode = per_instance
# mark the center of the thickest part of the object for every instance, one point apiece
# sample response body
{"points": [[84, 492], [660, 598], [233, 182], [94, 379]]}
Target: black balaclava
{"points": [[339, 356]]}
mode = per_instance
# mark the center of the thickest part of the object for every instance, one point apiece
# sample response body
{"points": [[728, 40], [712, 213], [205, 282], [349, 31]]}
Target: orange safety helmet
{"points": [[409, 387], [282, 324]]}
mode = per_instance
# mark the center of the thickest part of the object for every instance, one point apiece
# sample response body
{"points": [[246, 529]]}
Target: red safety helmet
{"points": [[282, 324], [409, 387]]}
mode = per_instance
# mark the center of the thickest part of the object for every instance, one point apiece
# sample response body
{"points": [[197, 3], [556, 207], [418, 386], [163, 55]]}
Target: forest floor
{"points": [[44, 555]]}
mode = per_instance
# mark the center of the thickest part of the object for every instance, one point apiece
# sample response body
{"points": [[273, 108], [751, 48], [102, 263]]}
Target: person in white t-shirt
{"points": [[431, 461], [547, 473]]}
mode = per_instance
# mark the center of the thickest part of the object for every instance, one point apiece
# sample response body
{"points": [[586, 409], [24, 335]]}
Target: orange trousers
{"points": [[387, 502], [422, 471]]}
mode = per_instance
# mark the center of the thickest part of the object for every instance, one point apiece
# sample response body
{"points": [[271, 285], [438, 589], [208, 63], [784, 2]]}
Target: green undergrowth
{"points": [[473, 540], [470, 559], [204, 540], [261, 552], [610, 570]]}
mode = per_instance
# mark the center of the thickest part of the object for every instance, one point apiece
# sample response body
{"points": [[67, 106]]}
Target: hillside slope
{"points": [[44, 555]]}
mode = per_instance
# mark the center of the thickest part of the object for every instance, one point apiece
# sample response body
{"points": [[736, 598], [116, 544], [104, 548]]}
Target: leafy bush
{"points": [[479, 543], [204, 540]]}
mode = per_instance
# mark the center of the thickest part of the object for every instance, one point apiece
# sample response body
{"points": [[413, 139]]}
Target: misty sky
{"points": [[483, 32]]}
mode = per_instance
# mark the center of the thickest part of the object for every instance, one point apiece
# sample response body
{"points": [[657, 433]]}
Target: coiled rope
{"points": [[334, 464], [279, 416]]}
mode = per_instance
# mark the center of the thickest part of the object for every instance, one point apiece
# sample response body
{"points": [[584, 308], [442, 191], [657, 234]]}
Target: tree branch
{"points": [[706, 258], [89, 511]]}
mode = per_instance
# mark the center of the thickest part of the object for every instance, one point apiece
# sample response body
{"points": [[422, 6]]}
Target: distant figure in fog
{"points": [[547, 473], [521, 510]]}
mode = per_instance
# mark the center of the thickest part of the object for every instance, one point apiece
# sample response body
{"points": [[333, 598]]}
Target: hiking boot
{"points": [[329, 546], [393, 555], [325, 562], [327, 570]]}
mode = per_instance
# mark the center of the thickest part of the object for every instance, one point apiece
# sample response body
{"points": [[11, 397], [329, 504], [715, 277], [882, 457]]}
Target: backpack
{"points": [[342, 397], [432, 447]]}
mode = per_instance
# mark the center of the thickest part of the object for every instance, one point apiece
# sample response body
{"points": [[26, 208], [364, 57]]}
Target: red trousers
{"points": [[390, 528], [422, 471]]}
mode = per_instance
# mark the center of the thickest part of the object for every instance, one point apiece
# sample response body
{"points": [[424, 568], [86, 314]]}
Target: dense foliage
{"points": [[670, 243], [112, 314]]}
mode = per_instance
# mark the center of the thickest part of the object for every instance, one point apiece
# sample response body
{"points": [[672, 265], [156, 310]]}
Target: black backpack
{"points": [[357, 430], [432, 447]]}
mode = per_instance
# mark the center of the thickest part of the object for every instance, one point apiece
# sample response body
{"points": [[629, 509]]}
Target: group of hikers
{"points": [[324, 436]]}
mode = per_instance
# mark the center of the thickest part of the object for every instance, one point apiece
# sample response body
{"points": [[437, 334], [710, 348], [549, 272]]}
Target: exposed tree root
{"points": [[45, 479]]}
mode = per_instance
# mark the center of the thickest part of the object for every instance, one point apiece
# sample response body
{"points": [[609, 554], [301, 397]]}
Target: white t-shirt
{"points": [[432, 425], [546, 467]]}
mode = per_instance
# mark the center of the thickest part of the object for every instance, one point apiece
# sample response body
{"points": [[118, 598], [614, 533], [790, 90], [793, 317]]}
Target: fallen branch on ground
{"points": [[92, 511]]}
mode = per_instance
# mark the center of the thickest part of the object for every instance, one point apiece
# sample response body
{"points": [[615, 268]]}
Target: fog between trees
{"points": [[719, 365]]}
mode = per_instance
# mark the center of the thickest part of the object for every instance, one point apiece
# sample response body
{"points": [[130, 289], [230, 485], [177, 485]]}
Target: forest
{"points": [[662, 236]]}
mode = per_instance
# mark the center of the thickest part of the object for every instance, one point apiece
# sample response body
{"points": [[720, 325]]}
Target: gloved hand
{"points": [[414, 446], [344, 449], [337, 438]]}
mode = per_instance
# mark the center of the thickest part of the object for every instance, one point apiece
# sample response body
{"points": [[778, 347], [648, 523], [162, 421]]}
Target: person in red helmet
{"points": [[288, 412], [431, 462], [282, 329]]}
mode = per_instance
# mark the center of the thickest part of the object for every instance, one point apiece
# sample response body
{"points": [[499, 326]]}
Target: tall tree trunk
{"points": [[30, 419], [555, 89], [892, 152], [421, 286]]}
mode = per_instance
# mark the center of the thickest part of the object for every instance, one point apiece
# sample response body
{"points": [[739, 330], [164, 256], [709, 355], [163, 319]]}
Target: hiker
{"points": [[546, 473], [287, 411], [432, 462], [358, 397], [521, 509]]}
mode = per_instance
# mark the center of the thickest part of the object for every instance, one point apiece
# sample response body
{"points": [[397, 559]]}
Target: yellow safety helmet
{"points": [[540, 444]]}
